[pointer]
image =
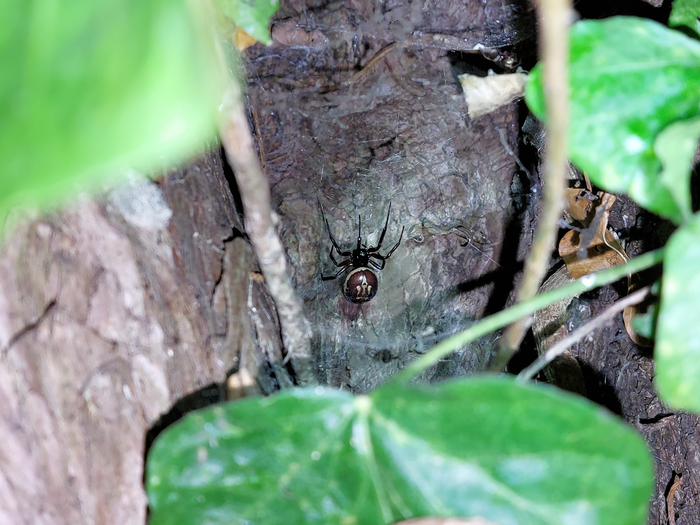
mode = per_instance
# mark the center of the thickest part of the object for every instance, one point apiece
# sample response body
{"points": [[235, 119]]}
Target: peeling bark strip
{"points": [[255, 195]]}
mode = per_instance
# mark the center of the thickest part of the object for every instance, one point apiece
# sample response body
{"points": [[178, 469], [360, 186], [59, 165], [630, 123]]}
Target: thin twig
{"points": [[560, 347], [255, 196], [554, 53], [504, 317]]}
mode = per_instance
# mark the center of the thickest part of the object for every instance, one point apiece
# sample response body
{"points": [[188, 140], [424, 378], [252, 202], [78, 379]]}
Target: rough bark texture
{"points": [[110, 312]]}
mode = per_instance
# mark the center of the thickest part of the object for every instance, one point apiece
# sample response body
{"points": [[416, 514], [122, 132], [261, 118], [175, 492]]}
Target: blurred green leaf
{"points": [[685, 13], [253, 16], [89, 88], [630, 78], [675, 147], [645, 324], [479, 447], [677, 350]]}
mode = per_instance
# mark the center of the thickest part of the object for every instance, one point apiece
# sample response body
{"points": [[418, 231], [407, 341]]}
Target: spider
{"points": [[361, 283]]}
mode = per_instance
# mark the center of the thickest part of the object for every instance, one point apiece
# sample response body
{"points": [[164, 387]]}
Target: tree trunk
{"points": [[110, 312]]}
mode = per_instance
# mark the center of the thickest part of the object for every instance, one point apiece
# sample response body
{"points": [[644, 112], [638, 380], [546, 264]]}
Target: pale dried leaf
{"points": [[486, 94]]}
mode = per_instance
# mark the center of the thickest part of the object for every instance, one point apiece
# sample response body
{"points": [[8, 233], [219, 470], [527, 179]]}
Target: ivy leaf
{"points": [[644, 323], [90, 88], [675, 147], [685, 13], [485, 447], [677, 351], [629, 79]]}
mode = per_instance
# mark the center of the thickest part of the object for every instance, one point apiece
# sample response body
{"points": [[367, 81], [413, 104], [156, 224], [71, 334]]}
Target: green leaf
{"points": [[90, 88], [479, 447], [645, 324], [675, 147], [253, 16], [629, 79], [685, 13], [677, 350]]}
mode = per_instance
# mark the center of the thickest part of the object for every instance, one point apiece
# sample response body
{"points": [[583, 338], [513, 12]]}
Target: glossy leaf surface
{"points": [[685, 13], [675, 147], [629, 79], [677, 350], [480, 447], [90, 88]]}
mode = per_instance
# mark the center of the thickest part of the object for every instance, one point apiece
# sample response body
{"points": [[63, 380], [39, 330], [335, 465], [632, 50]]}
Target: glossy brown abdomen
{"points": [[360, 285]]}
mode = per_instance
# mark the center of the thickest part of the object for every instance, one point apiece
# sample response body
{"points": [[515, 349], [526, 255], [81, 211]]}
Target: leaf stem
{"points": [[504, 317]]}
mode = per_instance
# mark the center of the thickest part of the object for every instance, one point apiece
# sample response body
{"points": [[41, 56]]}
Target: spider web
{"points": [[400, 135]]}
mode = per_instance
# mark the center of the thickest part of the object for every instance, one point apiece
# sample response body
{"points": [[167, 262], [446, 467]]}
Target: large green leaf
{"points": [[88, 88], [479, 447], [677, 350], [685, 13], [675, 147], [629, 79]]}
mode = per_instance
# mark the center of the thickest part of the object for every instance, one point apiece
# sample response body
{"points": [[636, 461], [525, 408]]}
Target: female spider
{"points": [[361, 282]]}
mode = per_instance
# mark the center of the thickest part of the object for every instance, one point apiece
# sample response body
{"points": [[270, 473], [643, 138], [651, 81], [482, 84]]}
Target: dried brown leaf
{"points": [[242, 40], [580, 203]]}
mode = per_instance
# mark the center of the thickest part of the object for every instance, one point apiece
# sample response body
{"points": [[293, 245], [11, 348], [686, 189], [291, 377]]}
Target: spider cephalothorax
{"points": [[361, 282]]}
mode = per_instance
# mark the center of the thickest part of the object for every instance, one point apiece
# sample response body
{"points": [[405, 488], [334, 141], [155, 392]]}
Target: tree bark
{"points": [[110, 312]]}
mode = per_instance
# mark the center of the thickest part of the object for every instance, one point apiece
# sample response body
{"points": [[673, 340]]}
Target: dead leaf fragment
{"points": [[599, 254], [580, 203], [486, 94], [594, 247], [242, 40]]}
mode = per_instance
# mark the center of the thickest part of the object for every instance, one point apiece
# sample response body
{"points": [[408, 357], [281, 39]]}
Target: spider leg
{"points": [[346, 262], [328, 228], [381, 237], [359, 231], [337, 274], [375, 264], [395, 245]]}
